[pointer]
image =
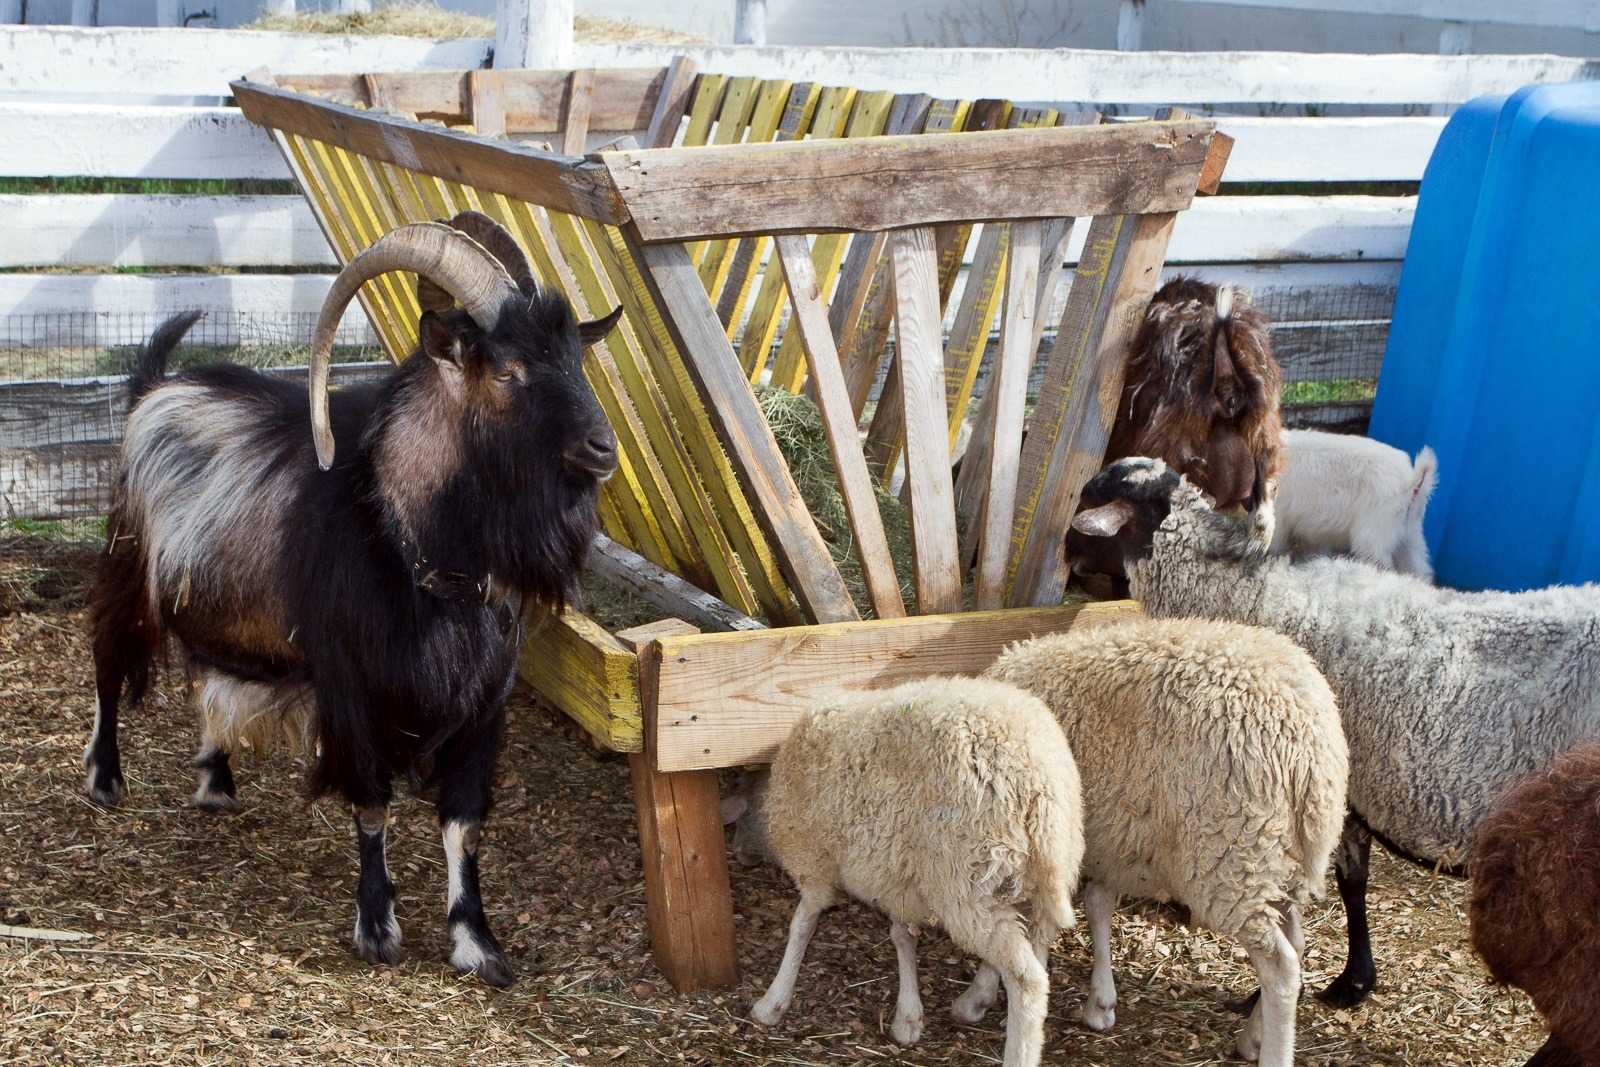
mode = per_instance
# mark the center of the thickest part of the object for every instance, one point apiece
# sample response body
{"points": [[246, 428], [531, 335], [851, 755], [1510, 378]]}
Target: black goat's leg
{"points": [[1350, 872], [464, 796], [377, 934], [1555, 1053], [101, 759]]}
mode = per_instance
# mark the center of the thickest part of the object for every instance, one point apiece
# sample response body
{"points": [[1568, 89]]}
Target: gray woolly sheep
{"points": [[1213, 774], [949, 801], [1352, 495], [1447, 697]]}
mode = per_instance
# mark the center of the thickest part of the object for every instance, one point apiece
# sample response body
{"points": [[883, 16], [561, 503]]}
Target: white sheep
{"points": [[1355, 496], [1447, 697], [948, 801], [1213, 773]]}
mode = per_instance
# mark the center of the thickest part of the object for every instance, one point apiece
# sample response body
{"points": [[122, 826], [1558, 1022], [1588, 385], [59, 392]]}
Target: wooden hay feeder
{"points": [[704, 518]]}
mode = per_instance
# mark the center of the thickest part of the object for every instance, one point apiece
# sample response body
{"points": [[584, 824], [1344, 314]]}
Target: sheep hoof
{"points": [[969, 1009], [766, 1012], [1099, 1017], [906, 1029], [1249, 1044]]}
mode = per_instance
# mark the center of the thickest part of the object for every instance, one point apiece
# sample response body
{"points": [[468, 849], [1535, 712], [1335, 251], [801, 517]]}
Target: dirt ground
{"points": [[223, 939]]}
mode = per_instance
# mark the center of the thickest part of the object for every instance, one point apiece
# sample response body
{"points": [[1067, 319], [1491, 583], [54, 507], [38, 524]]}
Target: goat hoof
{"points": [[380, 945], [494, 970], [210, 800], [104, 787], [1346, 991], [906, 1030]]}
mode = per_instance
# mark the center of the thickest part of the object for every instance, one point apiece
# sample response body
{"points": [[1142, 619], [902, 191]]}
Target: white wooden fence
{"points": [[69, 106]]}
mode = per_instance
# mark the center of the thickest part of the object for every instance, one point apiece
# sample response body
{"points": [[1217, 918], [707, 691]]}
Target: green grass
{"points": [[1331, 391]]}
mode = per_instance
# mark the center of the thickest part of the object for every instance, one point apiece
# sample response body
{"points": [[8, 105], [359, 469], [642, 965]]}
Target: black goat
{"points": [[376, 605]]}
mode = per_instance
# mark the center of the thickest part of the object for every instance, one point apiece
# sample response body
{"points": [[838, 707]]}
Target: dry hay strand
{"points": [[223, 939], [423, 18], [47, 566]]}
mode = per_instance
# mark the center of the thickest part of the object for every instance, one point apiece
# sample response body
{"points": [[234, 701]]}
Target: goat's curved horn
{"points": [[450, 259], [498, 240]]}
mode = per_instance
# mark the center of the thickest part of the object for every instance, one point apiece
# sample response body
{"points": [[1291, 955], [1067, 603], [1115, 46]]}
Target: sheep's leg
{"points": [[971, 1006], [464, 795], [813, 902], [1100, 1009], [1350, 872], [1268, 1035], [1294, 933], [907, 1026], [1000, 944], [377, 934]]}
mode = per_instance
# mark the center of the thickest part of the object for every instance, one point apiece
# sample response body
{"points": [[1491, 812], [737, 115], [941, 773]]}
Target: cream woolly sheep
{"points": [[1353, 495], [949, 801], [1447, 697], [1213, 773]]}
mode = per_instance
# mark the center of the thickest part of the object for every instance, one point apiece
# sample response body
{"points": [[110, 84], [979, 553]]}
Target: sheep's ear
{"points": [[733, 809], [1104, 521], [590, 332]]}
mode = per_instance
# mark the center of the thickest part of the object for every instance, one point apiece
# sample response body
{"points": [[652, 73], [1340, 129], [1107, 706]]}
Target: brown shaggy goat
{"points": [[1201, 392], [1535, 907]]}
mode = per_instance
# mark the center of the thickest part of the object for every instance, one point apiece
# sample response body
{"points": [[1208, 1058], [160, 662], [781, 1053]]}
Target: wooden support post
{"points": [[533, 33], [1130, 25], [750, 22], [671, 102], [575, 108], [486, 89], [688, 899]]}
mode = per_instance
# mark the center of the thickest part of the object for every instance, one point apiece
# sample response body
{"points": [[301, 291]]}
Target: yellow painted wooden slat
{"points": [[832, 116], [338, 230], [827, 254], [715, 553], [727, 496], [392, 215], [708, 89], [733, 120], [367, 227], [573, 663]]}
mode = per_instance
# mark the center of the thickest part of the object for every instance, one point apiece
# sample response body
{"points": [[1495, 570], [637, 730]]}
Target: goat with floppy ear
{"points": [[355, 572], [1201, 392]]}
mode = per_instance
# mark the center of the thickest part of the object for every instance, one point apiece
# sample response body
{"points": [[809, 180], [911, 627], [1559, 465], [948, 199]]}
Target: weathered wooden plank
{"points": [[672, 100], [57, 482], [576, 107], [576, 666], [733, 120], [815, 186], [1072, 421], [724, 700], [731, 285], [919, 349], [1010, 387], [810, 325], [688, 899], [622, 566], [486, 98], [709, 359], [558, 182]]}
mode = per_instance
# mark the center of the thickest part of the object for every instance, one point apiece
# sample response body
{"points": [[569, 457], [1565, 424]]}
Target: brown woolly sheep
{"points": [[1201, 392], [1535, 908]]}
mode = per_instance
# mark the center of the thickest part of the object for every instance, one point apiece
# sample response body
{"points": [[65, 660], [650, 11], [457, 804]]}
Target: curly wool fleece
{"points": [[1447, 697], [1212, 762]]}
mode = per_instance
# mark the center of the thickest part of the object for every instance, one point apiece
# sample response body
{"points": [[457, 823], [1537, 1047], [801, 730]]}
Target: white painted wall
{"points": [[1168, 24]]}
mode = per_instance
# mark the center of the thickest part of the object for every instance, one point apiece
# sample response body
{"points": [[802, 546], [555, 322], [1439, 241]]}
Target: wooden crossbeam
{"points": [[663, 589], [576, 106], [672, 100]]}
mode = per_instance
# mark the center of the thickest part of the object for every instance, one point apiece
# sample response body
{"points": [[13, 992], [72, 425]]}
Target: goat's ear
{"points": [[440, 343], [1104, 521], [590, 332], [733, 808]]}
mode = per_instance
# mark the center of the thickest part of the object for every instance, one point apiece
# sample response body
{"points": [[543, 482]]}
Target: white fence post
{"points": [[1130, 25], [750, 22], [85, 12], [352, 7], [533, 33]]}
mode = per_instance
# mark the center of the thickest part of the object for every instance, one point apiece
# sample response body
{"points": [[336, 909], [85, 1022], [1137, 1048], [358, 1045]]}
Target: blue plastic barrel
{"points": [[1494, 352]]}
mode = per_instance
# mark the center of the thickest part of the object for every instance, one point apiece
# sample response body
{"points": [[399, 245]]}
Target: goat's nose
{"points": [[597, 455]]}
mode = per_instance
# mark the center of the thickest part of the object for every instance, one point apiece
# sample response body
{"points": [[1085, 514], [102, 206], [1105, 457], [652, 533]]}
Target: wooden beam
{"points": [[575, 665], [671, 102], [575, 107], [622, 566], [1010, 385], [560, 183], [857, 184], [833, 401], [675, 288], [919, 350], [1078, 402], [688, 899], [486, 89], [724, 700]]}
